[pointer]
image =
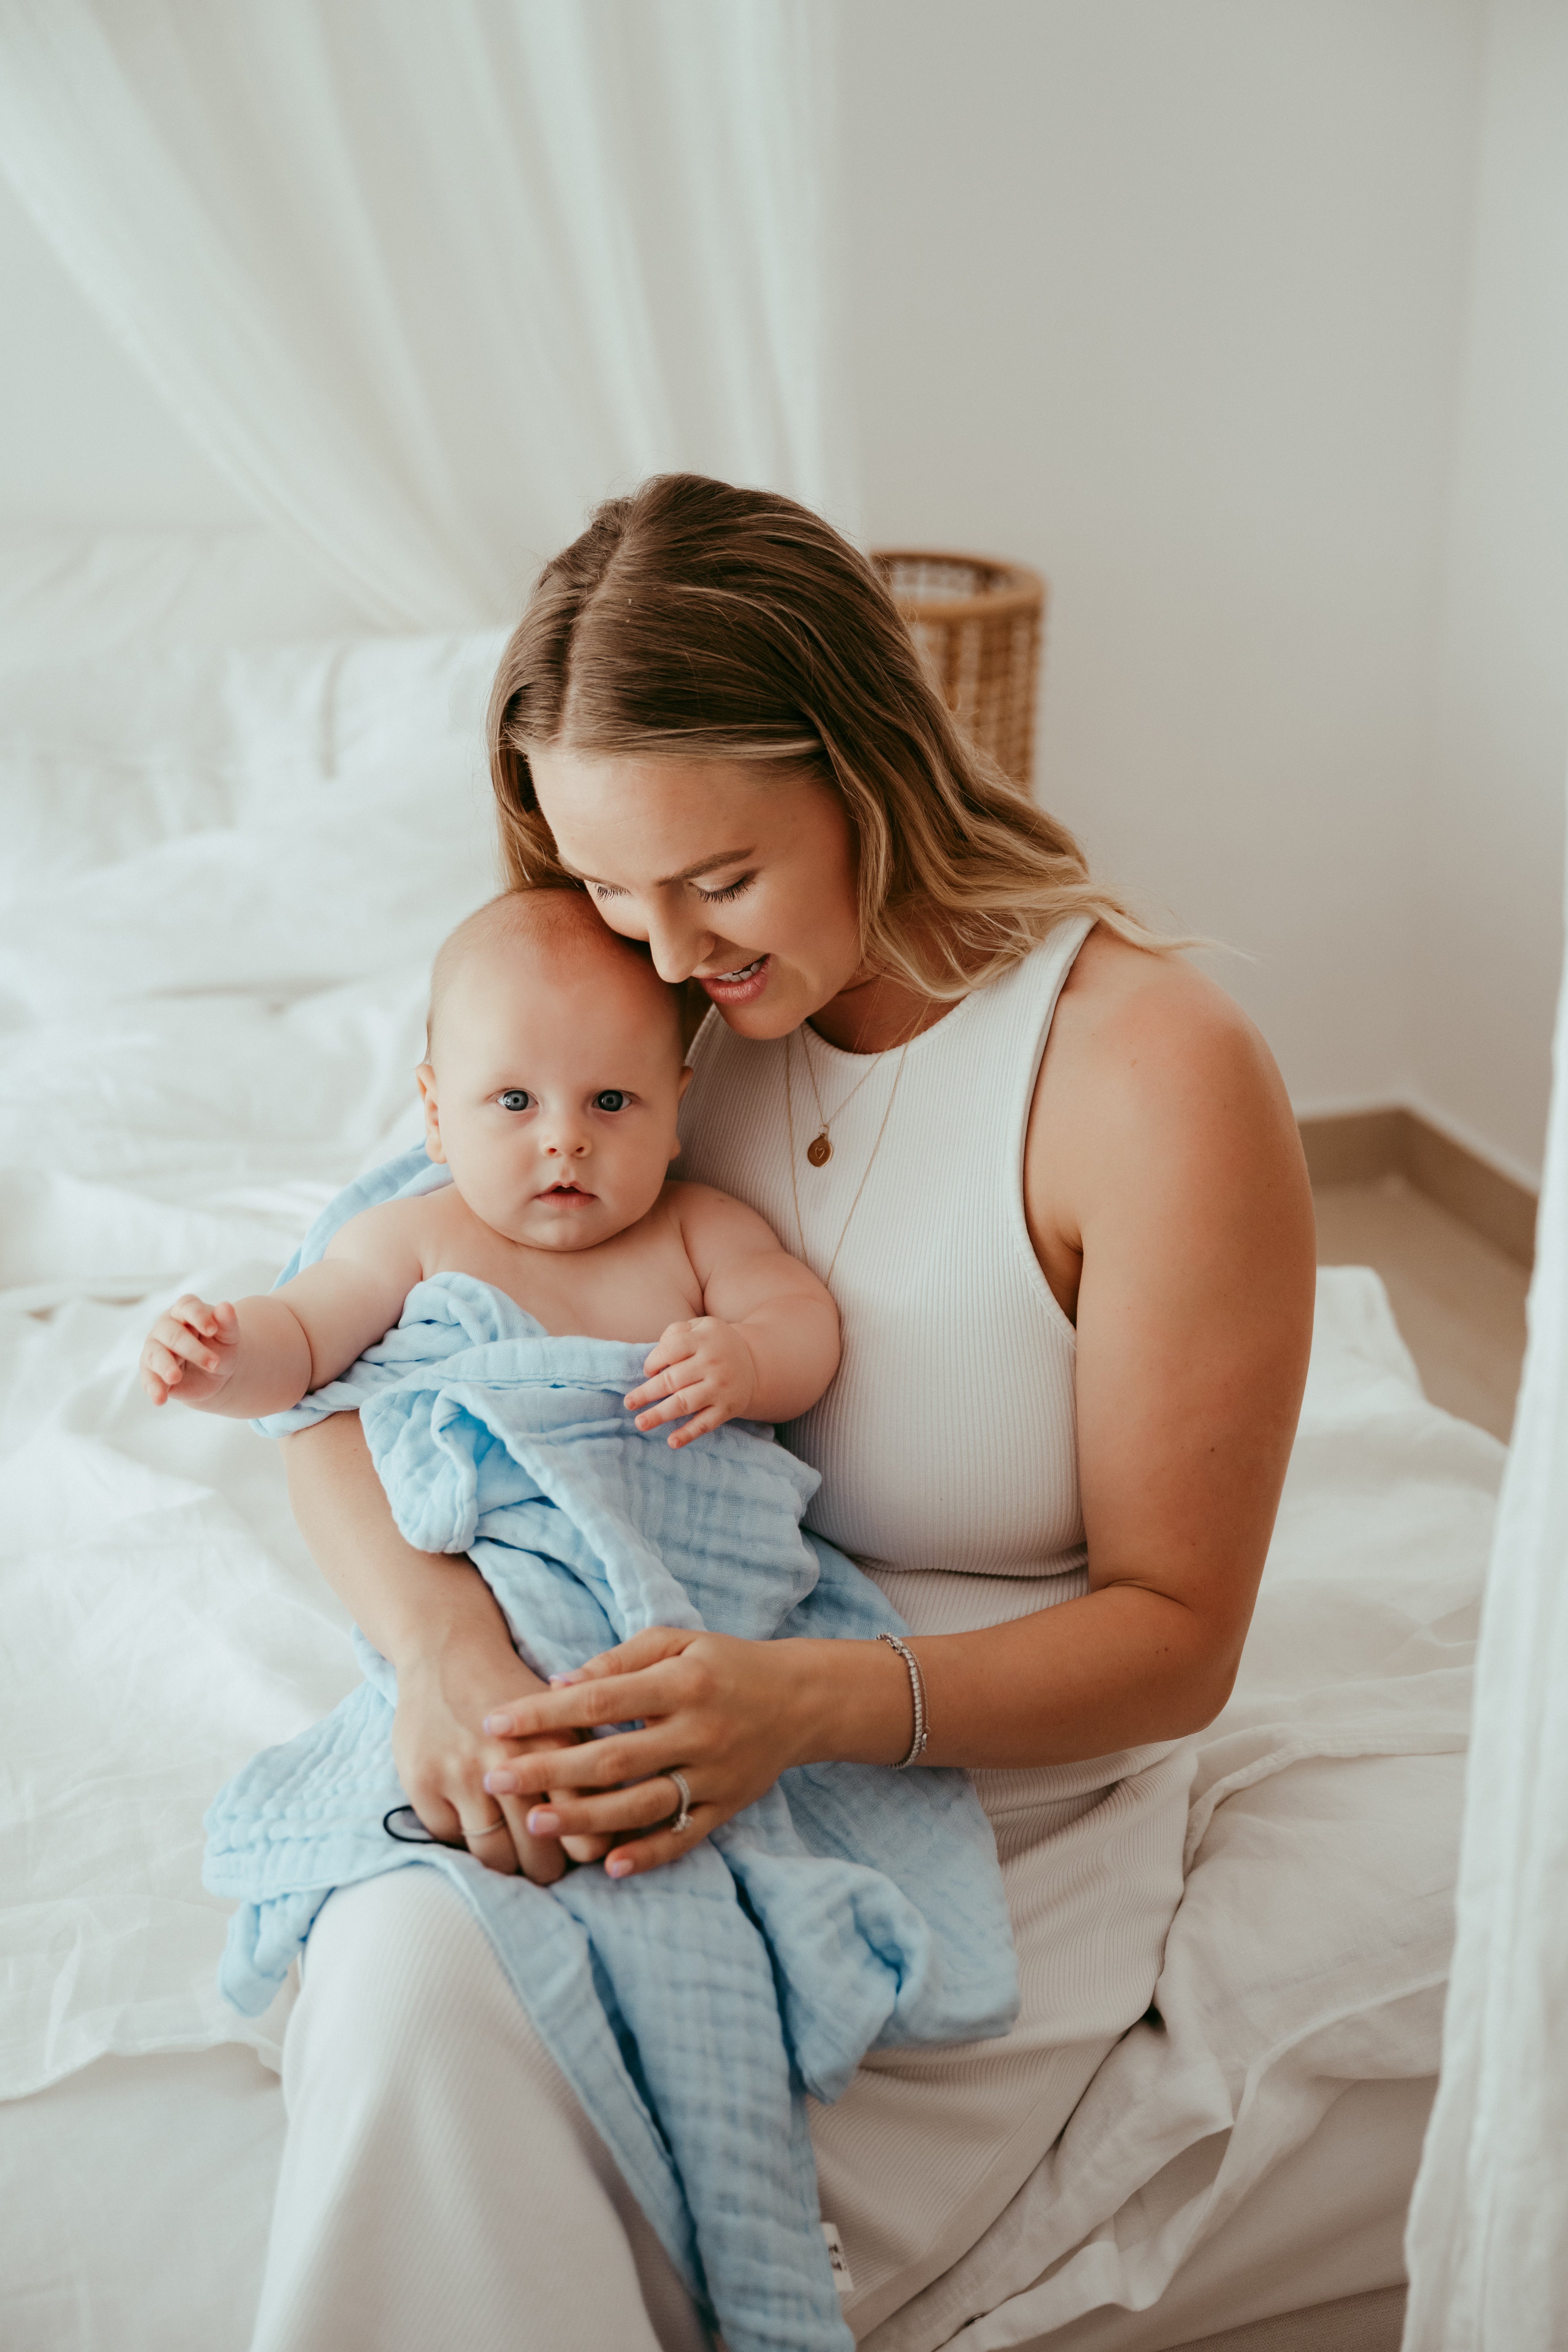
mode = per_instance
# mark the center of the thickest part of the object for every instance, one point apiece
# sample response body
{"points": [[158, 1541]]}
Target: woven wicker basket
{"points": [[978, 623]]}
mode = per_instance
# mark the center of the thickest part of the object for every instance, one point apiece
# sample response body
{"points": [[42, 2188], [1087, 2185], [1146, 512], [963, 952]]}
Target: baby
{"points": [[553, 1076]]}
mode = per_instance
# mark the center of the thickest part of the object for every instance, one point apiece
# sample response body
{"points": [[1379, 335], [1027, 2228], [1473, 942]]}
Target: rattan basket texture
{"points": [[979, 622]]}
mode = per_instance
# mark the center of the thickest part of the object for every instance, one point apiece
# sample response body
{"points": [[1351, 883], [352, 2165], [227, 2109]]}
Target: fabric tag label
{"points": [[841, 2278]]}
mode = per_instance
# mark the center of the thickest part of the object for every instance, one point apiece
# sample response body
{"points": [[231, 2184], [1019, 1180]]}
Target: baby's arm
{"points": [[263, 1354], [766, 1345]]}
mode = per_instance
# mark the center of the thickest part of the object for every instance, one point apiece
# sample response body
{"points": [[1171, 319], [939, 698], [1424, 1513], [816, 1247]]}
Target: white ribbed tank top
{"points": [[947, 1444]]}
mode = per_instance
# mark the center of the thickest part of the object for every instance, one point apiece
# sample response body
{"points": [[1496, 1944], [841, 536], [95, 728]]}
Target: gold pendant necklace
{"points": [[827, 1153], [819, 1151]]}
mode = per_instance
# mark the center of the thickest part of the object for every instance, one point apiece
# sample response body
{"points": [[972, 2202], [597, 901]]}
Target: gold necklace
{"points": [[819, 1151], [794, 1183]]}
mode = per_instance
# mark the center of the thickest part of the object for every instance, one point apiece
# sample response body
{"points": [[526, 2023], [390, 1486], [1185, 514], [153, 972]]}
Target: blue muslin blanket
{"points": [[849, 1909]]}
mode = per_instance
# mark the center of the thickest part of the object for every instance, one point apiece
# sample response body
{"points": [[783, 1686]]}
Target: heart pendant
{"points": [[819, 1152]]}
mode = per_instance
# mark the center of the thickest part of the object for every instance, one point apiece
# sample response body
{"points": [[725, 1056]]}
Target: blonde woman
{"points": [[1052, 1179]]}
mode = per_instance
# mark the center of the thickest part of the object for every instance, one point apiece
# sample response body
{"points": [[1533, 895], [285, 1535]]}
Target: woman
{"points": [[1052, 1178]]}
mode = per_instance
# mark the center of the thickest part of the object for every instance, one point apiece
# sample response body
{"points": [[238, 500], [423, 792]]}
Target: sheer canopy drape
{"points": [[426, 281], [1488, 2226]]}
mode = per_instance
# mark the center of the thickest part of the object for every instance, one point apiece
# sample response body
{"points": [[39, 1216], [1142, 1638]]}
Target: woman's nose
{"points": [[677, 944]]}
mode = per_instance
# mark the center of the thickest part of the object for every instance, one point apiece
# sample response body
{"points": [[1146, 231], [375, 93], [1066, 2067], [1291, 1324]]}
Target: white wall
{"points": [[1182, 327], [1489, 858]]}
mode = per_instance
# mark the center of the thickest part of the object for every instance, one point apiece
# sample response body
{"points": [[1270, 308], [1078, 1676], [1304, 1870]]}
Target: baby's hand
{"points": [[704, 1368], [192, 1349]]}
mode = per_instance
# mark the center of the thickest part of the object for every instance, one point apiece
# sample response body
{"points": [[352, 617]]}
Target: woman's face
{"points": [[740, 877]]}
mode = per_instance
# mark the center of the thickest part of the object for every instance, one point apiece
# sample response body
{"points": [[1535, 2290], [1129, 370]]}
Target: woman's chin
{"points": [[765, 1005]]}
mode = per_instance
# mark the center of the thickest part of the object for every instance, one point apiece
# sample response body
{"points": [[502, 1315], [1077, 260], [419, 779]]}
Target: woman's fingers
{"points": [[644, 1805], [586, 1849], [584, 1705], [542, 1859], [596, 1764], [488, 1838], [644, 1648], [649, 1648], [659, 1846]]}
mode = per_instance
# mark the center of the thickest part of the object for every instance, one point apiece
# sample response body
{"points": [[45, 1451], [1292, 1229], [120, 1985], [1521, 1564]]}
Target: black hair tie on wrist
{"points": [[407, 1837]]}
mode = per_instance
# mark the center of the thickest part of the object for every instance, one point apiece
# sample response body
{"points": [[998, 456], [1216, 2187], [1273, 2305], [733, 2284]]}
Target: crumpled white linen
{"points": [[174, 1111], [228, 872]]}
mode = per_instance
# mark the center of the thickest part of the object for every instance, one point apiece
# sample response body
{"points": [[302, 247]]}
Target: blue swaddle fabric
{"points": [[849, 1909]]}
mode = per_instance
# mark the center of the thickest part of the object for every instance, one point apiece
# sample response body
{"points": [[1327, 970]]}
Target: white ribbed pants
{"points": [[441, 2185]]}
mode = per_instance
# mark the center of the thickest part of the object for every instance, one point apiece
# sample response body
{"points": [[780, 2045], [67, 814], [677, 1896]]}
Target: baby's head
{"points": [[553, 1071]]}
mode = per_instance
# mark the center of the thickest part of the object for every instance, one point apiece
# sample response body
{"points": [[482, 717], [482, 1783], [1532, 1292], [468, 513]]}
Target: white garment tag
{"points": [[841, 2278]]}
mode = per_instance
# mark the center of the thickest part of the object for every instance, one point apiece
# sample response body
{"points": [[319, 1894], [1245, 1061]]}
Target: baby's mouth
{"points": [[566, 1192]]}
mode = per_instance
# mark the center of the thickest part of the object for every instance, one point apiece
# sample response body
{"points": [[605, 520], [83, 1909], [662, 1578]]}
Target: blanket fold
{"points": [[849, 1909]]}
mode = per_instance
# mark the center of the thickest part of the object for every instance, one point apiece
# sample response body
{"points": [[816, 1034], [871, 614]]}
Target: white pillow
{"points": [[279, 818]]}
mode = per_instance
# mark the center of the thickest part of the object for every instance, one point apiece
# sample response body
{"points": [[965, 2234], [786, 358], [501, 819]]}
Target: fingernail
{"points": [[499, 1724], [555, 1680], [501, 1784], [543, 1821], [616, 1869]]}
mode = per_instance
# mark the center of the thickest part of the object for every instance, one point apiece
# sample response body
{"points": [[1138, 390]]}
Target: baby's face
{"points": [[553, 1093]]}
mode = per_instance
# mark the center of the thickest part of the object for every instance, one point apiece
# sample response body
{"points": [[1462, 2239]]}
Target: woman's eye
{"points": [[611, 1099], [514, 1098], [731, 890]]}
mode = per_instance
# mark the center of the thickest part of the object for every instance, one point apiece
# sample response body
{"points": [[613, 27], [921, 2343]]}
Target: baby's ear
{"points": [[686, 1074], [425, 1080]]}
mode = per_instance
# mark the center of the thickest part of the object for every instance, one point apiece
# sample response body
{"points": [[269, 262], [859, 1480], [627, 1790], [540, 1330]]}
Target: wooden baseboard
{"points": [[1366, 1144]]}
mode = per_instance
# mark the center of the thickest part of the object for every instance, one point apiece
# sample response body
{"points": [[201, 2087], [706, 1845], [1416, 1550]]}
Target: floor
{"points": [[1458, 1300]]}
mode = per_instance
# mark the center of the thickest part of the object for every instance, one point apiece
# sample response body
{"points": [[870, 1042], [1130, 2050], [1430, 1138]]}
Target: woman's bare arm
{"points": [[433, 1615]]}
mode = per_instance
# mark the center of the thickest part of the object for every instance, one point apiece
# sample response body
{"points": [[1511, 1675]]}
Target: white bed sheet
{"points": [[228, 870], [139, 2191]]}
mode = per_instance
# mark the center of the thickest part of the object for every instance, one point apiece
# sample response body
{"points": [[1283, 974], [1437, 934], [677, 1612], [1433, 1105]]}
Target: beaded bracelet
{"points": [[917, 1692]]}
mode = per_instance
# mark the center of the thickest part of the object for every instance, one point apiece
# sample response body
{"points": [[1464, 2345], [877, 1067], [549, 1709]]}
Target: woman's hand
{"points": [[731, 1715], [443, 1754]]}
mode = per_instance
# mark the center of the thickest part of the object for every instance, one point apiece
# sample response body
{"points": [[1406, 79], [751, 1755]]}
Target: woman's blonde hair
{"points": [[695, 618]]}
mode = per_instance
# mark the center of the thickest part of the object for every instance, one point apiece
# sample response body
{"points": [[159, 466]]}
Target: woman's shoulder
{"points": [[1133, 1021], [1154, 1083]]}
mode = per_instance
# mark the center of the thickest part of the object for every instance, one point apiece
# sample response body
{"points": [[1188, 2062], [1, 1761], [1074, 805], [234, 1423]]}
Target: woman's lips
{"points": [[738, 987]]}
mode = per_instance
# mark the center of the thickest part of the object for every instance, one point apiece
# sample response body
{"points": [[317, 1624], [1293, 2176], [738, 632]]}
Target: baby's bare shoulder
{"points": [[703, 1210], [395, 1233]]}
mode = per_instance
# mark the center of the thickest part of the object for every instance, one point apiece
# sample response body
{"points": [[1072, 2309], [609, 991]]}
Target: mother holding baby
{"points": [[1051, 1177]]}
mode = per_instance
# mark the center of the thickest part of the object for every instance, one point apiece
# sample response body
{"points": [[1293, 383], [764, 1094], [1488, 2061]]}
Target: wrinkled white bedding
{"points": [[224, 876]]}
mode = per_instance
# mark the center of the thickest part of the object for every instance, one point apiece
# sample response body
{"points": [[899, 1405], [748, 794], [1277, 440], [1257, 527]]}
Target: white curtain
{"points": [[1488, 2241], [428, 278]]}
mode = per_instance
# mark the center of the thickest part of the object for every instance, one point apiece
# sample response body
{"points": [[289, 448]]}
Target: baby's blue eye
{"points": [[611, 1099], [514, 1098]]}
